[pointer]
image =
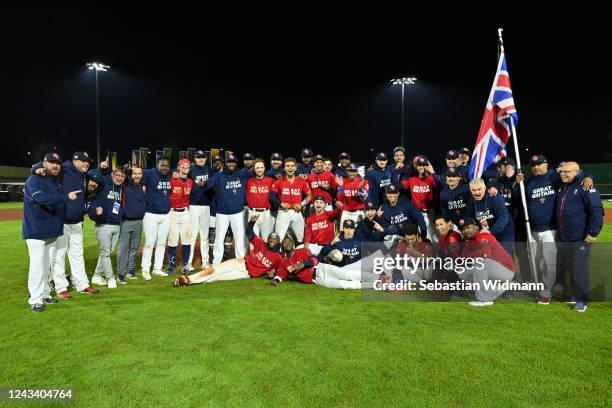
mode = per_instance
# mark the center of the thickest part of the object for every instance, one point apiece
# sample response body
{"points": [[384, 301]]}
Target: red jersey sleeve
{"points": [[308, 230]]}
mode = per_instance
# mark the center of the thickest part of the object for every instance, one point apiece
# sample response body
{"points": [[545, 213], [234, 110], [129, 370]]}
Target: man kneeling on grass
{"points": [[303, 266], [263, 258], [496, 264]]}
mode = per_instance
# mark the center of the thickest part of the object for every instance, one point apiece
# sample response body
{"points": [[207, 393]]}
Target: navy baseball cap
{"points": [[467, 221], [399, 149], [53, 158], [352, 167], [452, 172], [248, 156], [320, 198], [217, 158], [83, 156], [370, 206], [232, 159], [276, 156], [452, 154], [381, 156], [200, 154], [306, 152], [391, 189], [348, 224], [345, 155], [318, 157], [465, 150], [421, 160], [506, 160], [95, 176], [538, 159]]}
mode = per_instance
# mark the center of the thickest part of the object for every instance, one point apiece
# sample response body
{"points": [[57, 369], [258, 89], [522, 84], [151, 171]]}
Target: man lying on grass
{"points": [[263, 258]]}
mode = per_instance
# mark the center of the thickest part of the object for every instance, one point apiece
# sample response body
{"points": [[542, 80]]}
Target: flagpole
{"points": [[530, 239]]}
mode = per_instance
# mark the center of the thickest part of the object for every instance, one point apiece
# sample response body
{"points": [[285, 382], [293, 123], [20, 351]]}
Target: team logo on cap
{"points": [[56, 156], [535, 158], [461, 222]]}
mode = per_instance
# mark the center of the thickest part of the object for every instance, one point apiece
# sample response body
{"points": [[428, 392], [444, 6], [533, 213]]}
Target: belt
{"points": [[259, 209], [178, 209]]}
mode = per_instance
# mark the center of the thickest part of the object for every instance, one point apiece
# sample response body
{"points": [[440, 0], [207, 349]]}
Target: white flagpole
{"points": [[534, 271]]}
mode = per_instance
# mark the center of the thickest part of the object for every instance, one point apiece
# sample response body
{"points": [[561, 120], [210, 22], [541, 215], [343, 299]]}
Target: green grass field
{"points": [[246, 343]]}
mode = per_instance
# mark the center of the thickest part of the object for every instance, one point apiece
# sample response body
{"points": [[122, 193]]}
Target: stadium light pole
{"points": [[403, 82], [97, 67]]}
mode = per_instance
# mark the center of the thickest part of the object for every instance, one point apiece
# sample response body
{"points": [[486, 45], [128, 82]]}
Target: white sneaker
{"points": [[478, 303], [160, 273], [190, 268], [98, 280], [112, 283], [146, 275]]}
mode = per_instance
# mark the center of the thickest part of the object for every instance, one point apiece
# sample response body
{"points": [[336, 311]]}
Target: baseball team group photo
{"points": [[204, 241]]}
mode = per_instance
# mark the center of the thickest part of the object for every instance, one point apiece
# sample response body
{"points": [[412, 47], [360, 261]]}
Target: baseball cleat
{"points": [[64, 295], [50, 300], [146, 275], [112, 283], [89, 290], [580, 307], [98, 280], [159, 273], [38, 307], [478, 303], [543, 300]]}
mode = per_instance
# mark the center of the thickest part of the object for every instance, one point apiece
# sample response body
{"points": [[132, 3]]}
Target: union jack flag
{"points": [[497, 123]]}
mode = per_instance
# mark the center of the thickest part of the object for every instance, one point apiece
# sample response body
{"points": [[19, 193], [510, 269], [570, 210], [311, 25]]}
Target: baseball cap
{"points": [[52, 158], [184, 161], [320, 198], [217, 158], [467, 221], [232, 159], [200, 154], [344, 155], [370, 206], [399, 149], [452, 172], [83, 156], [276, 156], [248, 156], [381, 156], [391, 189], [318, 157], [465, 150], [306, 152], [452, 154], [506, 160], [420, 160], [537, 159], [352, 167], [95, 176], [348, 224]]}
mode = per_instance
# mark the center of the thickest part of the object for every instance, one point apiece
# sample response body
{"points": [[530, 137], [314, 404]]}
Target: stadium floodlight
{"points": [[403, 82], [97, 67]]}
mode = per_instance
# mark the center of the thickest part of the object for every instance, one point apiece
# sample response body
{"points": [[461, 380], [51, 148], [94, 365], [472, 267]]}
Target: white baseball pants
{"points": [[156, 228], [223, 221], [40, 269], [290, 218], [72, 243], [200, 224]]}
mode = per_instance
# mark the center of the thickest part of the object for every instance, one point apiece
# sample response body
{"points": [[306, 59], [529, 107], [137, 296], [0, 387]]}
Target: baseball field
{"points": [[246, 343]]}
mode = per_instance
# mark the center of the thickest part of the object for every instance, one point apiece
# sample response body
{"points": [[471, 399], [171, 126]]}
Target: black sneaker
{"points": [[38, 307], [122, 279], [507, 295], [50, 301]]}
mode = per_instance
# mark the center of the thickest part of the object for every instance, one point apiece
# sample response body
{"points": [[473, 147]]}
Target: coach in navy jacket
{"points": [[379, 177]]}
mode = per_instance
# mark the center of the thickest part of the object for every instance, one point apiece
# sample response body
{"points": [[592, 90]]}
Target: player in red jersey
{"points": [[417, 250], [263, 258], [290, 194], [303, 266], [180, 221], [319, 230], [449, 240], [352, 193], [258, 199], [423, 192], [322, 182], [495, 262]]}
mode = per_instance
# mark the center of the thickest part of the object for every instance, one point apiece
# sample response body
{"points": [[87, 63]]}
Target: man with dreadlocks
{"points": [[263, 258]]}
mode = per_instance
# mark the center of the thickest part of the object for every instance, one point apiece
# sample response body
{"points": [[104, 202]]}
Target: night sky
{"points": [[187, 79]]}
